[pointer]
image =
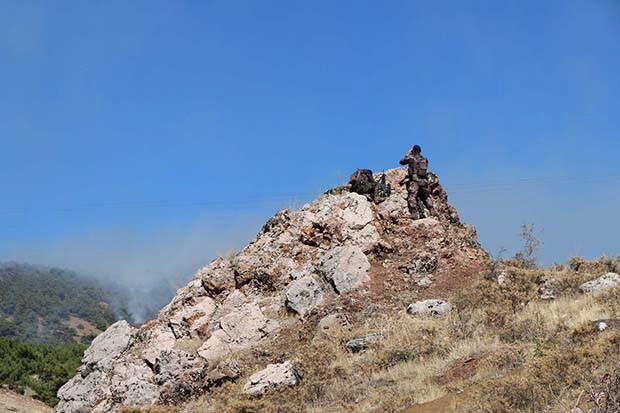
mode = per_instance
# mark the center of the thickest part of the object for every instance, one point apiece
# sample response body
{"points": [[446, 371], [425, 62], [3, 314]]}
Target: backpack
{"points": [[420, 166], [362, 182], [382, 190]]}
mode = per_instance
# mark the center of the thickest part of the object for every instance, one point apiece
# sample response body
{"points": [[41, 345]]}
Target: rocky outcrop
{"points": [[319, 260], [108, 374], [601, 284], [274, 375]]}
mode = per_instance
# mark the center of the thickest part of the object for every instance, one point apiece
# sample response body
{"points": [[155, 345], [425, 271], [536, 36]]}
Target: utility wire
{"points": [[295, 200]]}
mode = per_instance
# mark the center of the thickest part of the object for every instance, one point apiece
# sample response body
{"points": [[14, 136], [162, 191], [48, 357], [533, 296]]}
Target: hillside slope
{"points": [[339, 257], [13, 402], [51, 305], [349, 306]]}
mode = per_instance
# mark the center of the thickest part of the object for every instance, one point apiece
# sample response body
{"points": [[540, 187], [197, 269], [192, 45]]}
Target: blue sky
{"points": [[149, 136]]}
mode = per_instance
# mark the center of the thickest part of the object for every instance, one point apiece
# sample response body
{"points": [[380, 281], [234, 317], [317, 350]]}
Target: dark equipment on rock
{"points": [[363, 182], [383, 190]]}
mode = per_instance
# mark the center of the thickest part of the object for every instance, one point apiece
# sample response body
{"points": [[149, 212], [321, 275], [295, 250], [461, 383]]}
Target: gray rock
{"points": [[234, 304], [217, 346], [132, 383], [274, 375], [172, 363], [192, 319], [224, 370], [156, 338], [83, 392], [429, 307], [356, 211], [180, 374], [109, 345], [240, 328], [345, 268], [601, 284], [217, 277], [367, 238], [362, 343], [247, 325], [304, 294]]}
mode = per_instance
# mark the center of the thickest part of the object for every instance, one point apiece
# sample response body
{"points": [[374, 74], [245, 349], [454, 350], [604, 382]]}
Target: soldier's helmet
{"points": [[417, 149]]}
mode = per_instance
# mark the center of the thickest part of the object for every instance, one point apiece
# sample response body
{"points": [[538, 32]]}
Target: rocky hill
{"points": [[339, 260], [350, 306]]}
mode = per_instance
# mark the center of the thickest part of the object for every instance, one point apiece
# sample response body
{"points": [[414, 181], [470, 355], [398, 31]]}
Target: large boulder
{"points": [[274, 375], [242, 327], [192, 319], [179, 374], [217, 277], [131, 382], [304, 294], [155, 338], [83, 392], [600, 284], [107, 346], [345, 268]]}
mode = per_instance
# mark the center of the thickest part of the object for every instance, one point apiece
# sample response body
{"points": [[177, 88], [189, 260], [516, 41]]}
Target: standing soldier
{"points": [[417, 182]]}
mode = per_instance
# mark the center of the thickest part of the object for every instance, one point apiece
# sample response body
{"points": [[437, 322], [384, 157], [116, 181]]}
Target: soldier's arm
{"points": [[408, 158]]}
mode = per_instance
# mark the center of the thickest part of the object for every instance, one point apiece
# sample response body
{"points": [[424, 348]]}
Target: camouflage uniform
{"points": [[417, 186]]}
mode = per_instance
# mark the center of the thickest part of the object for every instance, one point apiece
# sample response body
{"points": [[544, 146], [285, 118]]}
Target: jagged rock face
{"points": [[310, 261], [109, 374]]}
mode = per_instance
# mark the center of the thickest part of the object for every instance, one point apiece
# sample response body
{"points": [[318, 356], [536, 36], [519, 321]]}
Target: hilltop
{"points": [[347, 305]]}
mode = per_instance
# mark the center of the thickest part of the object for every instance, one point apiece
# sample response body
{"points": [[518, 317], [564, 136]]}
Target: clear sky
{"points": [[147, 137]]}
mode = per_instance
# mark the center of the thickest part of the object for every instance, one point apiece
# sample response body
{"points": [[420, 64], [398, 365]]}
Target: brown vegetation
{"points": [[501, 350]]}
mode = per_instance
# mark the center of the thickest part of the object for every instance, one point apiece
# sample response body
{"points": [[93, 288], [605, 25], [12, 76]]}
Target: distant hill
{"points": [[51, 305], [47, 317]]}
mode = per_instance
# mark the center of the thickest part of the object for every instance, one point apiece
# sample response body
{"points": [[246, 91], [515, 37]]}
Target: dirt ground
{"points": [[13, 402]]}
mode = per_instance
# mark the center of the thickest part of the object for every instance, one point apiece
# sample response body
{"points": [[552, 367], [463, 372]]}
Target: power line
{"points": [[524, 183], [294, 200]]}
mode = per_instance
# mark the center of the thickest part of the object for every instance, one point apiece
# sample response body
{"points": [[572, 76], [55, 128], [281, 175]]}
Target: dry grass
{"points": [[149, 409], [504, 348]]}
